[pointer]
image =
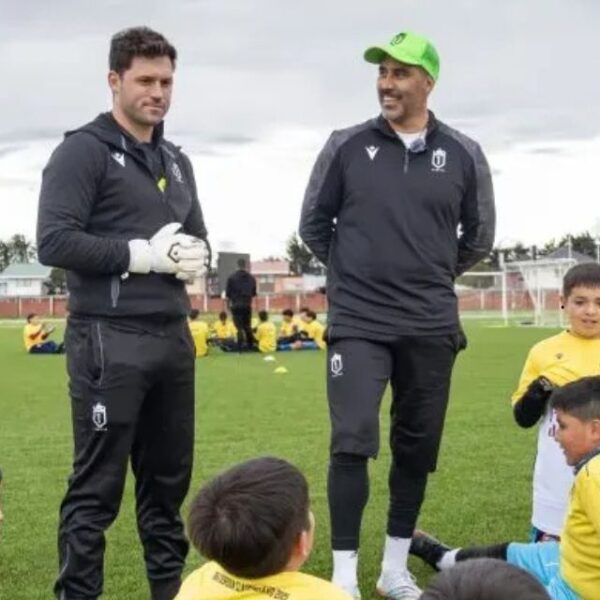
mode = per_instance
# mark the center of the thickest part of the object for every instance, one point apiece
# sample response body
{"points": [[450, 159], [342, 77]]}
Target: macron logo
{"points": [[119, 157], [372, 151]]}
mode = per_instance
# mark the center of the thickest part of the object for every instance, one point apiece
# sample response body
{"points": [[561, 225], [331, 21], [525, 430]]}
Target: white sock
{"points": [[395, 554], [448, 560], [345, 566]]}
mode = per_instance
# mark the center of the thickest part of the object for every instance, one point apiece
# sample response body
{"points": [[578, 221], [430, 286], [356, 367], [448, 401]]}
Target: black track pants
{"points": [[132, 394]]}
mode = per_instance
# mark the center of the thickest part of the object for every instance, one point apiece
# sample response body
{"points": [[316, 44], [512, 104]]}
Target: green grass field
{"points": [[481, 491]]}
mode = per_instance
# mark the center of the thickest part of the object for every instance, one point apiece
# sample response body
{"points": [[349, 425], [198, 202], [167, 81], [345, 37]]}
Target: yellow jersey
{"points": [[561, 358], [266, 336], [199, 331], [211, 582], [580, 539], [288, 328], [224, 331], [299, 323], [315, 331], [32, 335]]}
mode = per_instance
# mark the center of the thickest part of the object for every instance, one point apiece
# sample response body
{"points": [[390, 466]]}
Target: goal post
{"points": [[483, 295], [522, 293]]}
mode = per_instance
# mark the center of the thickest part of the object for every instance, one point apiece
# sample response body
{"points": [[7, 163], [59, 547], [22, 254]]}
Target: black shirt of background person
{"points": [[241, 288]]}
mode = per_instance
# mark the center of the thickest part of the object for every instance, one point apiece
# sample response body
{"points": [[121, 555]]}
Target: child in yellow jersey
{"points": [[199, 330], [569, 569], [301, 321], [288, 330], [551, 363], [224, 329], [253, 523], [265, 334], [224, 333], [35, 337], [311, 335]]}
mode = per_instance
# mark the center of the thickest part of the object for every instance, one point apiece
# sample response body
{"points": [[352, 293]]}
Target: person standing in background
{"points": [[240, 290]]}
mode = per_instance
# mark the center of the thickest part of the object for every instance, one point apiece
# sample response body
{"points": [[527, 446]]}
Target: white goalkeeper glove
{"points": [[169, 252]]}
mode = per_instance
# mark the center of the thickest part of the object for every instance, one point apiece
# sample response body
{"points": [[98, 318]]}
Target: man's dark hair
{"points": [[287, 312], [241, 263], [304, 309], [137, 41], [249, 517], [194, 312], [484, 579], [263, 315], [584, 275], [311, 313], [30, 316], [580, 398], [223, 316]]}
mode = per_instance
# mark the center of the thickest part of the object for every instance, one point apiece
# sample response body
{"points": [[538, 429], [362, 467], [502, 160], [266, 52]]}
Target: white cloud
{"points": [[252, 193], [546, 191]]}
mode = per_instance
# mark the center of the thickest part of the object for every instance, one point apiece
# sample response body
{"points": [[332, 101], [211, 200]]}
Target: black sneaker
{"points": [[427, 548]]}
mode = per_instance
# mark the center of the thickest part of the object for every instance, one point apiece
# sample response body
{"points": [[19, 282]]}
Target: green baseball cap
{"points": [[409, 48]]}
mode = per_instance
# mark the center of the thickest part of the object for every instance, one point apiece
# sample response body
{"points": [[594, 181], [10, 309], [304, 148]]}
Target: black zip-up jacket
{"points": [[396, 226], [240, 289], [100, 190]]}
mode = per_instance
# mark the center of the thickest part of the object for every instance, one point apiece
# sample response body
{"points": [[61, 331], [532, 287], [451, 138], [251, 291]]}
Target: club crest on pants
{"points": [[336, 365], [99, 418]]}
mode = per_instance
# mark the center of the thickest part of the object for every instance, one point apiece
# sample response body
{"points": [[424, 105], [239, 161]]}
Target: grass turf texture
{"points": [[481, 492]]}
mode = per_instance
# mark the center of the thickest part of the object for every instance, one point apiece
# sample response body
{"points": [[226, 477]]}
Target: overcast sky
{"points": [[260, 84]]}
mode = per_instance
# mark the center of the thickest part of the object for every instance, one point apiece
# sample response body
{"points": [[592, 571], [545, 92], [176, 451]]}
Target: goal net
{"points": [[523, 293]]}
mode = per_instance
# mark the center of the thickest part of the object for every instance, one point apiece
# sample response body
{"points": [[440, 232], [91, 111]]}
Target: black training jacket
{"points": [[396, 226], [100, 190], [240, 289]]}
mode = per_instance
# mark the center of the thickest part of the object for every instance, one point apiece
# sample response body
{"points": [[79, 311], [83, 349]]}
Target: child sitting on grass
{"points": [[569, 569], [253, 523], [484, 579]]}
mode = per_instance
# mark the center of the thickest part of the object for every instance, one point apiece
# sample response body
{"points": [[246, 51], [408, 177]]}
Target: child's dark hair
{"points": [[137, 41], [194, 312], [248, 518], [287, 312], [484, 579], [263, 315], [584, 275], [311, 313], [30, 316], [580, 398], [222, 316]]}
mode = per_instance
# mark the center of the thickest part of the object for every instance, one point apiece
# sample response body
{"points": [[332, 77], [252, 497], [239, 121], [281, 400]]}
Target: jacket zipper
{"points": [[115, 290], [141, 163], [101, 348], [406, 160]]}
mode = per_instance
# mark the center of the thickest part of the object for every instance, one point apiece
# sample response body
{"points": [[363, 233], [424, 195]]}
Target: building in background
{"points": [[24, 279], [270, 275]]}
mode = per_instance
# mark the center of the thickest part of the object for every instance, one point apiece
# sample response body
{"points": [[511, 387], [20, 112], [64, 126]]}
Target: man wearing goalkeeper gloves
{"points": [[382, 209], [119, 211], [554, 362]]}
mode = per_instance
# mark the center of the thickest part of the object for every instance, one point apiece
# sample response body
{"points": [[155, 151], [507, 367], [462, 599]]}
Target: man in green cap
{"points": [[397, 207]]}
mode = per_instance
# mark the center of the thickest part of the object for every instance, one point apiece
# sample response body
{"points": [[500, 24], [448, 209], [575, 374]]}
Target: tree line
{"points": [[302, 260], [18, 249]]}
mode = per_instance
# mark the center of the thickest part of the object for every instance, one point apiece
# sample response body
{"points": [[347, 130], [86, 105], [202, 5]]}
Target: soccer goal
{"points": [[523, 293], [483, 295], [541, 280]]}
